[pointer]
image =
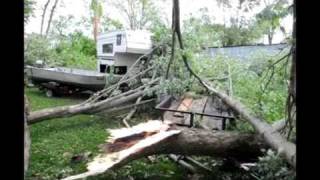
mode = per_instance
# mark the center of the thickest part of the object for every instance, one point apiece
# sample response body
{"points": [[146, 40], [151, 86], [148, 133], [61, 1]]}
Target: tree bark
{"points": [[270, 37], [291, 99], [95, 28], [155, 137], [131, 113], [27, 140], [43, 16], [173, 43], [51, 15]]}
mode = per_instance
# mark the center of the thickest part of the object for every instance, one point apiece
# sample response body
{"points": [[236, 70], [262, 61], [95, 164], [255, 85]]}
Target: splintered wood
{"points": [[125, 143]]}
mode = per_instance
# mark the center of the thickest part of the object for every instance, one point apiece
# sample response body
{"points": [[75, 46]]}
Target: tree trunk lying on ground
{"points": [[156, 137], [285, 148]]}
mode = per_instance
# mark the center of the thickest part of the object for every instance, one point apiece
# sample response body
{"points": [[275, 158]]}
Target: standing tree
{"points": [[238, 30], [43, 15], [268, 20], [139, 13], [291, 100], [51, 16], [28, 9], [96, 9]]}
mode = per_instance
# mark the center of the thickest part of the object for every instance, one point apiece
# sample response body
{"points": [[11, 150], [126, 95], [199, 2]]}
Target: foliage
{"points": [[74, 50], [60, 26], [200, 33], [140, 14], [77, 51], [269, 104], [272, 167], [28, 9], [161, 33], [109, 24], [268, 20], [96, 8], [36, 47], [252, 84]]}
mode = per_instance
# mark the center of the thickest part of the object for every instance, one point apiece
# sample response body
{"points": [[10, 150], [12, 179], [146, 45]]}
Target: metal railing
{"points": [[164, 106]]}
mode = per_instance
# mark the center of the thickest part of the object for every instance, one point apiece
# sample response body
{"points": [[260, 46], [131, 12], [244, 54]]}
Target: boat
{"points": [[71, 77]]}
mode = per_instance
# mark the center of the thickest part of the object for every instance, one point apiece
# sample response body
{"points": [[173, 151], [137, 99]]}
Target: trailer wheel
{"points": [[49, 93]]}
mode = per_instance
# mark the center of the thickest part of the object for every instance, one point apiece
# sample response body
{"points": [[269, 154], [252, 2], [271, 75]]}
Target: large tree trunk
{"points": [[43, 15], [273, 138], [96, 22], [27, 140], [270, 37], [155, 137], [51, 15], [291, 100]]}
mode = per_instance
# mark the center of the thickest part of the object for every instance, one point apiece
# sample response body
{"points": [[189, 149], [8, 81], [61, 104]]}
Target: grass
{"points": [[55, 142]]}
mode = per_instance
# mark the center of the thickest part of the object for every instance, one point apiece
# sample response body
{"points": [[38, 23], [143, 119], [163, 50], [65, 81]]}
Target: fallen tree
{"points": [[108, 97], [169, 139], [65, 111], [157, 137], [285, 148]]}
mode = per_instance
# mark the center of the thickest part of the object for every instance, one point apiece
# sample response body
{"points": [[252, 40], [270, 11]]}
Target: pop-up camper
{"points": [[120, 49]]}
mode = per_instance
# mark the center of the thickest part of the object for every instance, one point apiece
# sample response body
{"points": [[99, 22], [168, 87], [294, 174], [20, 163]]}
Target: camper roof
{"points": [[115, 32]]}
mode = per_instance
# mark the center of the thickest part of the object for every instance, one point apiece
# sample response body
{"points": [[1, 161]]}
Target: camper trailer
{"points": [[118, 50]]}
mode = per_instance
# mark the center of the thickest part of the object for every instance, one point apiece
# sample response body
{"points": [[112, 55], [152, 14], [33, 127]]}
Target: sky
{"points": [[188, 8]]}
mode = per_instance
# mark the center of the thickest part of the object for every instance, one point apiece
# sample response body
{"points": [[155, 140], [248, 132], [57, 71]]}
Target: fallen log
{"points": [[157, 137], [125, 107], [285, 148], [279, 125]]}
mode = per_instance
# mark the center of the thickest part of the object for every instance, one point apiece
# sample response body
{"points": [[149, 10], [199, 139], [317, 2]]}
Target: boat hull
{"points": [[79, 78]]}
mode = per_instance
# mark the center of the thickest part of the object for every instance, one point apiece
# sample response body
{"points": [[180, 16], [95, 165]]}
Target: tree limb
{"points": [[273, 138], [65, 111]]}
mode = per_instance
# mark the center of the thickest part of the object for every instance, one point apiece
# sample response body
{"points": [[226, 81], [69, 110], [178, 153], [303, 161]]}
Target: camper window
{"points": [[118, 39], [107, 48], [103, 68], [120, 70]]}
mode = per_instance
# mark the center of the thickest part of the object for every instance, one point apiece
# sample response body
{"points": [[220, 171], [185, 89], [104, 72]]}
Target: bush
{"points": [[37, 47], [74, 51], [272, 167]]}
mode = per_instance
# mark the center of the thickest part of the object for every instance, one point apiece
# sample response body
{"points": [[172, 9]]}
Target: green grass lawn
{"points": [[55, 142]]}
